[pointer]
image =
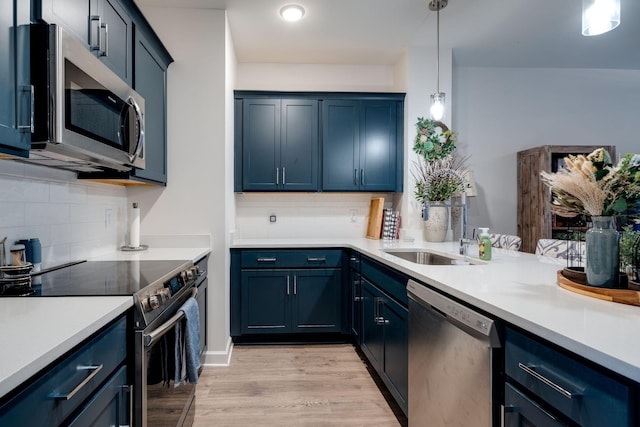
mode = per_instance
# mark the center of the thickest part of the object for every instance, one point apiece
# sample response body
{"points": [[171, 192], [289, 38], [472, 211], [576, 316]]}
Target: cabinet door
{"points": [[116, 31], [109, 406], [261, 144], [15, 94], [520, 411], [372, 329], [396, 349], [316, 300], [378, 145], [265, 301], [73, 15], [340, 146], [151, 83], [299, 144]]}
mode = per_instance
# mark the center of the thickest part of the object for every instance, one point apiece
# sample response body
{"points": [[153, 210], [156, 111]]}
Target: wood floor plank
{"points": [[291, 385]]}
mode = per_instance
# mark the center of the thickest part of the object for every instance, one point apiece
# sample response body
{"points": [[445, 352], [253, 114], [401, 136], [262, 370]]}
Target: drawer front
{"points": [[295, 258], [583, 394], [67, 383], [520, 411], [387, 279]]}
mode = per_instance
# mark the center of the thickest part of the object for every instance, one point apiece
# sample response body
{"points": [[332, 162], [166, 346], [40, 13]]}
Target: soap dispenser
{"points": [[484, 245]]}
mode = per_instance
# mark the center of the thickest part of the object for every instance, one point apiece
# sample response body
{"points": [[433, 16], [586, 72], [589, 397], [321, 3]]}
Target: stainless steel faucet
{"points": [[464, 241]]}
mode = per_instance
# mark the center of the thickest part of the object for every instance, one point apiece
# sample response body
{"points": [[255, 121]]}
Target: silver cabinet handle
{"points": [[94, 371], [379, 319], [531, 371], [284, 177], [295, 285], [105, 27], [357, 299], [316, 259], [277, 176], [267, 259], [288, 292], [97, 20], [30, 127]]}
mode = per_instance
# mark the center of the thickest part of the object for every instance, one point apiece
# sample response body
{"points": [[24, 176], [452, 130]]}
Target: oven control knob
{"points": [[154, 302]]}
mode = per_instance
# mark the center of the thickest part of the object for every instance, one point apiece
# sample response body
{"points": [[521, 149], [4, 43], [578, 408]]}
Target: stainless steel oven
{"points": [[158, 402]]}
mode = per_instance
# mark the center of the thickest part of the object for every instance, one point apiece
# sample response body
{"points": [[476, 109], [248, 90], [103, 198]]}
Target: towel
{"points": [[187, 344]]}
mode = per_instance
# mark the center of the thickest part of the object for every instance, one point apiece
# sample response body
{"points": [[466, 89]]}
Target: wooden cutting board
{"points": [[375, 218], [623, 296]]}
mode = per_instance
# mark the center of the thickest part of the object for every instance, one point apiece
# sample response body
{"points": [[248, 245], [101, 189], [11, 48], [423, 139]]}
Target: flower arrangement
{"points": [[439, 172], [592, 185]]}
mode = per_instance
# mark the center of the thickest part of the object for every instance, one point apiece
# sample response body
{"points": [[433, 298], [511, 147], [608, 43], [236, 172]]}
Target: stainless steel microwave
{"points": [[84, 117]]}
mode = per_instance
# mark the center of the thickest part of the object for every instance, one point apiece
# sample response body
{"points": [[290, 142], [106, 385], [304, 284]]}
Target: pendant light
{"points": [[437, 100], [599, 16]]}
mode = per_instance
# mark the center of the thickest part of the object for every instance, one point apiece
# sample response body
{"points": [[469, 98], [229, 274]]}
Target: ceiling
{"points": [[502, 33]]}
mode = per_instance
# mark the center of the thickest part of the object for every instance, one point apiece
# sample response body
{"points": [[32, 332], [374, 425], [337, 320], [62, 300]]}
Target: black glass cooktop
{"points": [[105, 278]]}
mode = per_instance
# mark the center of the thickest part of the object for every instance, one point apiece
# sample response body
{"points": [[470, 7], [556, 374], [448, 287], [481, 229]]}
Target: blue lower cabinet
{"points": [[385, 339], [290, 301], [111, 405]]}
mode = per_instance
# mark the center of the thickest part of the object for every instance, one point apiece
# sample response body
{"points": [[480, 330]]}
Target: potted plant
{"points": [[438, 175], [592, 185]]}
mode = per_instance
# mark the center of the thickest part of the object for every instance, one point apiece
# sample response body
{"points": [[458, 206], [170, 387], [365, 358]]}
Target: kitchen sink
{"points": [[430, 258]]}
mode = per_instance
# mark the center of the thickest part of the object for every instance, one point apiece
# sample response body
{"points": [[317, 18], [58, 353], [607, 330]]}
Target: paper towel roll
{"points": [[134, 226]]}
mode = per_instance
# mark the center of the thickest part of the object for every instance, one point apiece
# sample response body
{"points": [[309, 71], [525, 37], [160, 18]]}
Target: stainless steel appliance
{"points": [[84, 117], [452, 361], [159, 288]]}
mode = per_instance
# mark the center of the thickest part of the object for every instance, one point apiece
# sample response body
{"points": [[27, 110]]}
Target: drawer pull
{"points": [[316, 259], [267, 259], [94, 368], [531, 371]]}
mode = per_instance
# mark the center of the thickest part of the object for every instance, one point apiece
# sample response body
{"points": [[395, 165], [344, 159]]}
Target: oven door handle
{"points": [[152, 337]]}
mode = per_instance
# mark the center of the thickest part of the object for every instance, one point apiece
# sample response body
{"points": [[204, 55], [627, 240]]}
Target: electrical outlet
{"points": [[353, 215], [108, 217], [272, 218]]}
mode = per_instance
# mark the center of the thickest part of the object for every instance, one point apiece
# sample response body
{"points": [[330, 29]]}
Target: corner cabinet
{"points": [[535, 219], [360, 145], [296, 292], [318, 141], [15, 90]]}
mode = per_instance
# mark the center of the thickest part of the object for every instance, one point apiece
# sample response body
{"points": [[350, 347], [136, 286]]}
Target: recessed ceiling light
{"points": [[292, 12]]}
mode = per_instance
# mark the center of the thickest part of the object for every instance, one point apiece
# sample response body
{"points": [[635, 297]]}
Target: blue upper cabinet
{"points": [[318, 141], [15, 90], [104, 25], [279, 144], [362, 145]]}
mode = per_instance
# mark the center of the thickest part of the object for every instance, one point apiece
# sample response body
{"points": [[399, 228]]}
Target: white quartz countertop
{"points": [[37, 331], [517, 287]]}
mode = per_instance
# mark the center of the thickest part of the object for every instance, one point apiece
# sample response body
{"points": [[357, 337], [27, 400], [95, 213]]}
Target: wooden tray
{"points": [[623, 296]]}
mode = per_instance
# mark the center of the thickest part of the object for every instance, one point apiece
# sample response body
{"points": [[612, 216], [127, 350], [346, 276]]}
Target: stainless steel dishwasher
{"points": [[452, 359]]}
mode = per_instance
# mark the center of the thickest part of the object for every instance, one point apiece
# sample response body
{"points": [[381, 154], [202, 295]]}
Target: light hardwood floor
{"points": [[292, 385]]}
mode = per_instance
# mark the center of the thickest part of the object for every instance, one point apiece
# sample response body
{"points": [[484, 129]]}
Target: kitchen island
{"points": [[519, 288]]}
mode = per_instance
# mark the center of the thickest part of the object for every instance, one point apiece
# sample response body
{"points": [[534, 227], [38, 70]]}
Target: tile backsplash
{"points": [[73, 219]]}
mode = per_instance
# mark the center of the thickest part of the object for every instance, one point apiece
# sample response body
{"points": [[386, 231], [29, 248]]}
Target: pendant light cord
{"points": [[438, 47]]}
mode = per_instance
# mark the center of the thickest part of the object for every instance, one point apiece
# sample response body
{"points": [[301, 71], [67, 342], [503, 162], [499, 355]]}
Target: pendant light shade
{"points": [[437, 99], [599, 16], [436, 109]]}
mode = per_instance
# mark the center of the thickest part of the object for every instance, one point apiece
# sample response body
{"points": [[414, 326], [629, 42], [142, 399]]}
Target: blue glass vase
{"points": [[602, 263]]}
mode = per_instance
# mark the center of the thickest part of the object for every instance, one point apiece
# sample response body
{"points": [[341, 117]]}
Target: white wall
{"points": [[195, 199], [73, 219], [500, 111]]}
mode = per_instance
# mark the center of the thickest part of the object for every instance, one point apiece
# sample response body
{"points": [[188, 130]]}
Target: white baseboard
{"points": [[219, 358]]}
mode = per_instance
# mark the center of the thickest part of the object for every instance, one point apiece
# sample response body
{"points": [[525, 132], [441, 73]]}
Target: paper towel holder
{"points": [[134, 232]]}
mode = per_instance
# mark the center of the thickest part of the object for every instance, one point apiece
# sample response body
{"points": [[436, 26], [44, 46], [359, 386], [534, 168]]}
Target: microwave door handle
{"points": [[140, 143]]}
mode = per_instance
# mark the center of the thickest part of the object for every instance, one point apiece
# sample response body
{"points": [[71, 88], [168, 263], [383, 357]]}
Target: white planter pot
{"points": [[437, 225]]}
